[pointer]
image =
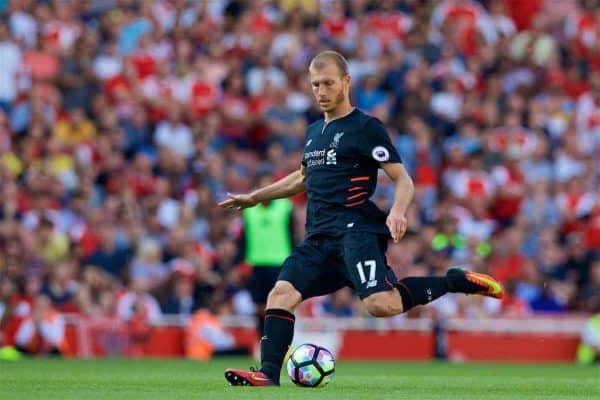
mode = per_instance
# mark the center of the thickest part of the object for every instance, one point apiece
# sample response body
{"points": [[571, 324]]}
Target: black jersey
{"points": [[342, 158]]}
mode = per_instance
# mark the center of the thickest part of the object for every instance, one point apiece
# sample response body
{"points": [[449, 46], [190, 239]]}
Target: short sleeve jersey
{"points": [[342, 158]]}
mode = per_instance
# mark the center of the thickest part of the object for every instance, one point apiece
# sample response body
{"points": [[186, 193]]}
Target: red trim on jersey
{"points": [[355, 188], [354, 196], [356, 203], [359, 178]]}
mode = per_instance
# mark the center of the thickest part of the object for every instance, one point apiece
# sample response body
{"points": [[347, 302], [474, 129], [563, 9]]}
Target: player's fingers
{"points": [[403, 225], [229, 201], [402, 228], [390, 225], [226, 203], [396, 232]]}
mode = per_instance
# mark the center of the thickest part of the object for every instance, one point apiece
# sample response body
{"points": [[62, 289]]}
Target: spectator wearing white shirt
{"points": [[108, 64], [148, 263], [169, 209], [504, 25], [447, 104], [258, 76], [138, 301], [587, 115], [174, 134], [10, 54], [23, 26]]}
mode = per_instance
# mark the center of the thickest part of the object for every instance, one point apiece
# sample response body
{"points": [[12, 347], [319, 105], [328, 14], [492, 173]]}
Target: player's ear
{"points": [[347, 79]]}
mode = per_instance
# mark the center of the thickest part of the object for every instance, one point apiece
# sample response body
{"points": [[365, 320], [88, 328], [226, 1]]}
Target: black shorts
{"points": [[324, 264], [261, 282]]}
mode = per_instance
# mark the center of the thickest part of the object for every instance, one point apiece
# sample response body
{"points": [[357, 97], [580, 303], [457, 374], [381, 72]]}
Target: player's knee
{"points": [[383, 304], [378, 309], [284, 295]]}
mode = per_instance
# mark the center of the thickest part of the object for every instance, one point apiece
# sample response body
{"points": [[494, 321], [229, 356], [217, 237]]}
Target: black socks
{"points": [[421, 290], [279, 331]]}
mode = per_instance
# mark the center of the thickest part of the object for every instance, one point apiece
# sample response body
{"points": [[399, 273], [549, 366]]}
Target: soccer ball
{"points": [[310, 365]]}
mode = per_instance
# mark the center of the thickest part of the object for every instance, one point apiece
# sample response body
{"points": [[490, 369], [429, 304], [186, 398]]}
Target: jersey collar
{"points": [[325, 122], [340, 117]]}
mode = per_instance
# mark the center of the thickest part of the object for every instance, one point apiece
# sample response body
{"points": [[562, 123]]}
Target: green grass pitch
{"points": [[118, 379]]}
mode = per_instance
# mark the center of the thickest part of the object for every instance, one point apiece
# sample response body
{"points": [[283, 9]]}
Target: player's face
{"points": [[329, 86]]}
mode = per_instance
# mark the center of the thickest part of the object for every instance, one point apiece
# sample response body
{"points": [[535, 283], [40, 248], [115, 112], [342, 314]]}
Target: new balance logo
{"points": [[264, 337], [372, 283], [429, 294]]}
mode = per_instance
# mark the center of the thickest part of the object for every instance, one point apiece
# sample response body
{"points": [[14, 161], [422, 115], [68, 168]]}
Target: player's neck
{"points": [[340, 112]]}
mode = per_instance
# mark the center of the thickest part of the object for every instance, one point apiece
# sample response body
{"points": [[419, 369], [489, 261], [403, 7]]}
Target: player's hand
{"points": [[238, 201], [397, 223]]}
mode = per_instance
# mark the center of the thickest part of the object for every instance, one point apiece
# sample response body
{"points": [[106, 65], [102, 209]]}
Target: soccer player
{"points": [[346, 233]]}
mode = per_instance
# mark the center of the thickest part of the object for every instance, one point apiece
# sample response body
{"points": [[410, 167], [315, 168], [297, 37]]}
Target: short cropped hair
{"points": [[330, 56]]}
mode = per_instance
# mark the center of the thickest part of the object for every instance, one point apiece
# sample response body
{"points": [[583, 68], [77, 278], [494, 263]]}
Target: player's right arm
{"points": [[290, 185]]}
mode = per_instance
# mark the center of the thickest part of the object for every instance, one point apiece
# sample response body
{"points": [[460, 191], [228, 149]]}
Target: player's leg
{"points": [[278, 334], [279, 326], [304, 274], [375, 282], [403, 295], [414, 291], [311, 271]]}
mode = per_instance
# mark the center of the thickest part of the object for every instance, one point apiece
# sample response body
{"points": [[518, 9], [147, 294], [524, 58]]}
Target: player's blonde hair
{"points": [[330, 56]]}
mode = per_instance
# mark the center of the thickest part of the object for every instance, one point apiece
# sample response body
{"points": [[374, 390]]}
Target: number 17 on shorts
{"points": [[370, 266], [364, 257]]}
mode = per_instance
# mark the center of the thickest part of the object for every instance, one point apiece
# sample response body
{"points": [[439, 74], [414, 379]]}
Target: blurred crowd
{"points": [[123, 123]]}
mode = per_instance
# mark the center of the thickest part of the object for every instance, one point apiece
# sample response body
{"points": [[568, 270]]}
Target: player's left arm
{"points": [[379, 146], [403, 195]]}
